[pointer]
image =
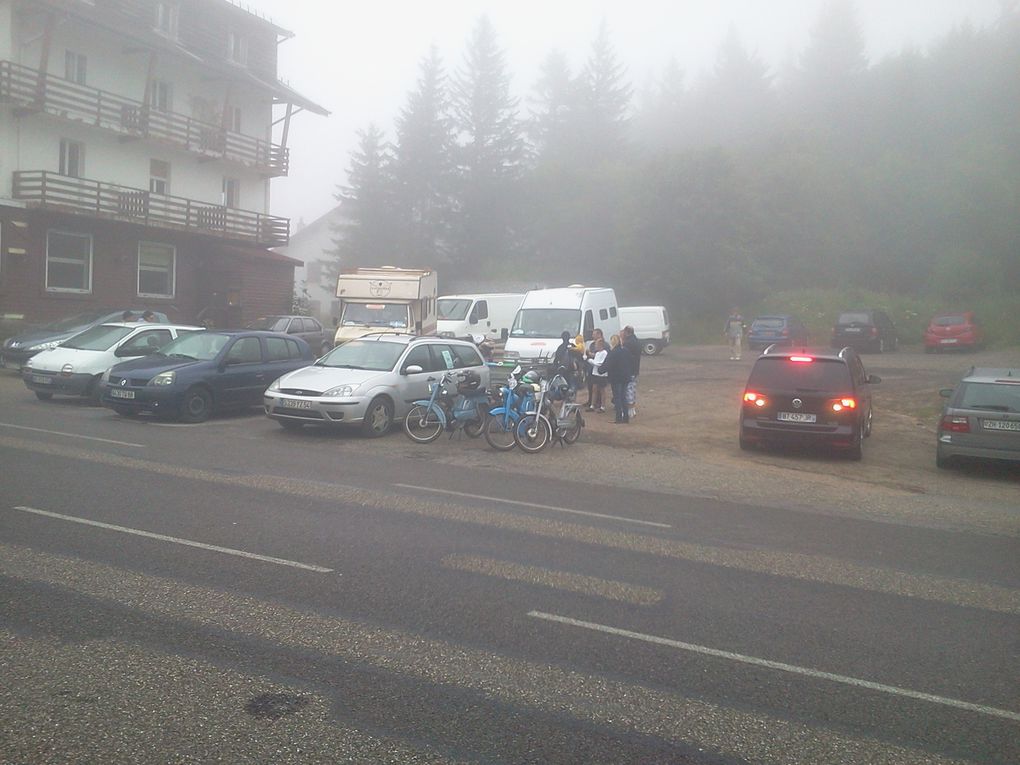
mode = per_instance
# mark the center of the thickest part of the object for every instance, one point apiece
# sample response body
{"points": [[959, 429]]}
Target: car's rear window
{"points": [[1001, 397], [948, 321], [768, 324], [780, 372], [854, 318]]}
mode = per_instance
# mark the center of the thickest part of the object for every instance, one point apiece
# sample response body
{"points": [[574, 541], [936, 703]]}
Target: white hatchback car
{"points": [[75, 366], [370, 382]]}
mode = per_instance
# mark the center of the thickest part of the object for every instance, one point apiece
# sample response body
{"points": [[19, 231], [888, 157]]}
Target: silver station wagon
{"points": [[981, 418], [369, 382]]}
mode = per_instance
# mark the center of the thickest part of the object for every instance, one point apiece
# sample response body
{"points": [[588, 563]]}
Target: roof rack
{"points": [[843, 352]]}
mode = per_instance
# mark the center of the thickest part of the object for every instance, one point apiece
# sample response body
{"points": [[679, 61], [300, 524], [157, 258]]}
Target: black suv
{"points": [[866, 329], [807, 398]]}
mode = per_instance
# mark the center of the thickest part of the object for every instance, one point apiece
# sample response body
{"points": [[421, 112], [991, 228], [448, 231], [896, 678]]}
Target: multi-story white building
{"points": [[136, 151]]}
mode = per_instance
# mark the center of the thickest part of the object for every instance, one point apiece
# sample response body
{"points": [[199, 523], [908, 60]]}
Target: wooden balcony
{"points": [[108, 200], [30, 90]]}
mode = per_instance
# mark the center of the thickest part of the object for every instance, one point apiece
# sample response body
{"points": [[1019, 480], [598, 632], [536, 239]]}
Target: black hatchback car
{"points": [[202, 372], [866, 329], [809, 399]]}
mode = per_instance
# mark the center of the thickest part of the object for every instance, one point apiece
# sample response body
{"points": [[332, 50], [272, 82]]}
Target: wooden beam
{"points": [[286, 125]]}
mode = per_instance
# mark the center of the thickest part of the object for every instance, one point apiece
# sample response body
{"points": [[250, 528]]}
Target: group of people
{"points": [[599, 366], [147, 316]]}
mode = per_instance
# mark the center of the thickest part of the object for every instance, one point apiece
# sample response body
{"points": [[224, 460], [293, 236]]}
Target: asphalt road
{"points": [[232, 592]]}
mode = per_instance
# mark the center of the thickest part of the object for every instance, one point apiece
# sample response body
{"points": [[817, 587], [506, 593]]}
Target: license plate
{"points": [[42, 380], [118, 393], [948, 340], [852, 329], [1000, 425], [796, 417], [289, 403]]}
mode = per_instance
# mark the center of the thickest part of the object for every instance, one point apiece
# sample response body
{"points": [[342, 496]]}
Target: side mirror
{"points": [[873, 380], [945, 392], [412, 369]]}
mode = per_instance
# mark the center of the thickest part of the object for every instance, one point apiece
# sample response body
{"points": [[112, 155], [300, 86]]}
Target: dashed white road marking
{"points": [[176, 540], [782, 667], [71, 435], [535, 505]]}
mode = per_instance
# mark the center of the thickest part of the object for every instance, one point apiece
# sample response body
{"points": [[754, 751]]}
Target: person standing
{"points": [[632, 344], [596, 337], [734, 330], [619, 368], [597, 377]]}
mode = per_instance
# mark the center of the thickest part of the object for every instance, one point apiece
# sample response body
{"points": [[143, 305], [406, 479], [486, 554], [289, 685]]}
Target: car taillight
{"points": [[874, 331], [955, 424], [802, 359], [754, 398], [785, 333], [841, 404]]}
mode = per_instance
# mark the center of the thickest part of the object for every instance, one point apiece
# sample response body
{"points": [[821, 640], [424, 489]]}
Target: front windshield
{"points": [[197, 346], [100, 338], [270, 323], [454, 310], [78, 320], [546, 322], [393, 315], [376, 355]]}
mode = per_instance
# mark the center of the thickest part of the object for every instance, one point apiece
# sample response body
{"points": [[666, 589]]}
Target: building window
{"points": [[232, 193], [157, 266], [72, 158], [74, 67], [166, 19], [161, 96], [159, 176], [234, 118], [237, 47], [68, 262]]}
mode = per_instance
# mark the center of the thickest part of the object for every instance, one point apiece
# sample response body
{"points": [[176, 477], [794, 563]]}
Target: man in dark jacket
{"points": [[632, 344], [619, 365]]}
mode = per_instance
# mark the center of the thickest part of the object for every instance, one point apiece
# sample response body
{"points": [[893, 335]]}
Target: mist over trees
{"points": [[900, 175]]}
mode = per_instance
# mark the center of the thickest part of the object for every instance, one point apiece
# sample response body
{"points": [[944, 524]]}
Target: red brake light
{"points": [[844, 403], [955, 424], [754, 398], [802, 359]]}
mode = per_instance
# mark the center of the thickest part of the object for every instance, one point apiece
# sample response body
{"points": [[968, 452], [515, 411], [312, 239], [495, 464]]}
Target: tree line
{"points": [[898, 176]]}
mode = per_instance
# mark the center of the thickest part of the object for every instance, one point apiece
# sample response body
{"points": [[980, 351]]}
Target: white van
{"points": [[464, 316], [546, 314], [651, 326]]}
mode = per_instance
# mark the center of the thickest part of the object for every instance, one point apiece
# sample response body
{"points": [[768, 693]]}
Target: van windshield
{"points": [[393, 315], [453, 310], [546, 322]]}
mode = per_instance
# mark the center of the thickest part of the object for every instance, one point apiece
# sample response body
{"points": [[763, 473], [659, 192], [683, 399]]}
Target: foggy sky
{"points": [[360, 60]]}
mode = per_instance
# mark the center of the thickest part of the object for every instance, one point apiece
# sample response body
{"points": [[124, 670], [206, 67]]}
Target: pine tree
{"points": [[554, 106], [604, 100]]}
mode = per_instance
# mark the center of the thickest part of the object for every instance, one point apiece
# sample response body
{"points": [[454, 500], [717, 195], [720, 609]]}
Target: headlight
{"points": [[67, 370], [163, 378], [340, 391], [45, 346], [274, 385]]}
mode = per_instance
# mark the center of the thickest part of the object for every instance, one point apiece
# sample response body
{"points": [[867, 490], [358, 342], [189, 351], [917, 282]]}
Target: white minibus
{"points": [[546, 314]]}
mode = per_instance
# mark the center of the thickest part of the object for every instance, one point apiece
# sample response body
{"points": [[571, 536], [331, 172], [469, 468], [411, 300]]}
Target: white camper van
{"points": [[464, 316], [546, 314], [651, 326], [386, 299]]}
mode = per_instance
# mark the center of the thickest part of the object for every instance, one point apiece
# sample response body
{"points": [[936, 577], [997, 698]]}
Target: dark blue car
{"points": [[780, 329], [202, 372]]}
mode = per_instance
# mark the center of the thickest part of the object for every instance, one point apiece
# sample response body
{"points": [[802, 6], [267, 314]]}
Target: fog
{"points": [[360, 60]]}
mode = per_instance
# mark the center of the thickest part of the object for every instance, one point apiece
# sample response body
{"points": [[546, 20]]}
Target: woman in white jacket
{"points": [[598, 379]]}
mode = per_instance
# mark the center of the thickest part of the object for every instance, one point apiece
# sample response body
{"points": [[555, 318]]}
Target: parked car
{"points": [[203, 372], [808, 398], [21, 347], [74, 368], [865, 330], [779, 329], [981, 418], [308, 329], [949, 331], [369, 382]]}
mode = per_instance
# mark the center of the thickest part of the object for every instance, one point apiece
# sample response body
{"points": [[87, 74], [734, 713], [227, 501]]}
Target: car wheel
{"points": [[93, 393], [196, 406], [856, 452], [746, 445], [291, 424], [941, 461], [650, 348], [378, 418], [867, 422], [43, 395]]}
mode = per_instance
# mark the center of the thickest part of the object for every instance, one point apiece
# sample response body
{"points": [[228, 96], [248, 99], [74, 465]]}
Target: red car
{"points": [[953, 330]]}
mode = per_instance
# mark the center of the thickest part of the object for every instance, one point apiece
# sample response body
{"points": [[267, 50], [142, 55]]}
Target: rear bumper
{"points": [[839, 436], [948, 449]]}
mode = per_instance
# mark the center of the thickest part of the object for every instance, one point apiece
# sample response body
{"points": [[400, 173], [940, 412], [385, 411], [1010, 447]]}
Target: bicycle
{"points": [[452, 405]]}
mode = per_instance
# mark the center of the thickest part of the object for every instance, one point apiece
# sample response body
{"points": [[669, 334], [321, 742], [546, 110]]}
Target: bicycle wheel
{"points": [[422, 424], [475, 428], [533, 433], [573, 432], [499, 433]]}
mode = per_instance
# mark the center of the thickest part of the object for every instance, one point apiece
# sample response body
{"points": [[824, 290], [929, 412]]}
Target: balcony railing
{"points": [[108, 200], [32, 90]]}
